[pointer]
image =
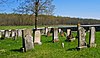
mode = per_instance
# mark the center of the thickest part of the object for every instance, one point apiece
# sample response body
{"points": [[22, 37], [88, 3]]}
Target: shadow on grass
{"points": [[16, 50], [48, 41], [73, 49]]}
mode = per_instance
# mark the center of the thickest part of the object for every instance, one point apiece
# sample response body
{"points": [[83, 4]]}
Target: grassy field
{"points": [[14, 27], [10, 48]]}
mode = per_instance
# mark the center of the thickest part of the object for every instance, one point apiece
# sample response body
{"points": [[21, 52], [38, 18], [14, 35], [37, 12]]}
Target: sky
{"points": [[78, 8], [68, 8]]}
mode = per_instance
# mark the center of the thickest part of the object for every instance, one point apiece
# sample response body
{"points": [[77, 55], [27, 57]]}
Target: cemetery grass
{"points": [[10, 48], [14, 27]]}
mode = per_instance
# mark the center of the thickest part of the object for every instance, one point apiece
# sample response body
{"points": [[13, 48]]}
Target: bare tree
{"points": [[36, 7]]}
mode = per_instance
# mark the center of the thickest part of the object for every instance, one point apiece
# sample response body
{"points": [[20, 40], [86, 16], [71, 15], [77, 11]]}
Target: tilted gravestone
{"points": [[37, 37], [81, 38], [27, 39], [55, 35], [92, 37]]}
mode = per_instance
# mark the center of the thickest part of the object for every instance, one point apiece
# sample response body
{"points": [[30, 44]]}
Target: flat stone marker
{"points": [[37, 37], [27, 40], [92, 37], [81, 38], [55, 35]]}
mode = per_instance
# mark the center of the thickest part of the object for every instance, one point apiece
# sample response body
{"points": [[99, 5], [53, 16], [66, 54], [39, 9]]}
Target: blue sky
{"points": [[78, 8], [70, 8]]}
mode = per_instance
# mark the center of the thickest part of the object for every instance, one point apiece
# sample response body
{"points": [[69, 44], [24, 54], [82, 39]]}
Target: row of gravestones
{"points": [[10, 33], [28, 42], [27, 35], [81, 36]]}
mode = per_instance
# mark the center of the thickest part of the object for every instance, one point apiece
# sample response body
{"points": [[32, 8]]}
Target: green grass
{"points": [[14, 27], [9, 48]]}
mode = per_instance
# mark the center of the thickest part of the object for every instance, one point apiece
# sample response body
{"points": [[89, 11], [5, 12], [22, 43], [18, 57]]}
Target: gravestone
{"points": [[10, 32], [70, 36], [37, 37], [68, 32], [27, 40], [48, 33], [62, 33], [92, 37], [16, 32], [46, 30], [59, 30], [19, 32], [13, 34], [81, 38], [55, 35], [42, 31], [7, 34], [2, 34]]}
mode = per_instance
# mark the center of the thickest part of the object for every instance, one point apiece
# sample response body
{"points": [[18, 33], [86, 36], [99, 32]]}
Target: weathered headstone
{"points": [[37, 37], [48, 33], [69, 36], [62, 33], [92, 37], [19, 32], [13, 34], [81, 38], [59, 30], [42, 31], [55, 35], [68, 32], [10, 32], [7, 34], [27, 40], [2, 34], [46, 30], [16, 32]]}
